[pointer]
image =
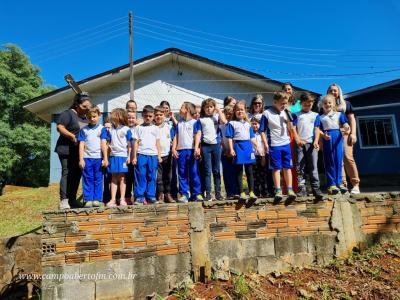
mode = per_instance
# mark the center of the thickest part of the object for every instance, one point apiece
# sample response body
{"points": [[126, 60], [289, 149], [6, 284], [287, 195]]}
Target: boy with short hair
{"points": [[306, 134], [90, 159], [164, 170], [146, 156], [275, 121]]}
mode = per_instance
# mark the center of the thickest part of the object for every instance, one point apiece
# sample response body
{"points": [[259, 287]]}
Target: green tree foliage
{"points": [[24, 138]]}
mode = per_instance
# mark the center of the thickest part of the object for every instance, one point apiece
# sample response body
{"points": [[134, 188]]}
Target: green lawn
{"points": [[21, 208]]}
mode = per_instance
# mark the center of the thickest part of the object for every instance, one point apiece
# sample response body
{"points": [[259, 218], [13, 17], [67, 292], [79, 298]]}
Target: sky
{"points": [[310, 43]]}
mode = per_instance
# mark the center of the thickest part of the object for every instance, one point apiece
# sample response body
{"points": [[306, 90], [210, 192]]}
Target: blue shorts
{"points": [[117, 164], [280, 157]]}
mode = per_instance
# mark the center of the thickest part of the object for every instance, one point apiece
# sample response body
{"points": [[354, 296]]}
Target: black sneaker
{"points": [[208, 197], [318, 194], [218, 196]]}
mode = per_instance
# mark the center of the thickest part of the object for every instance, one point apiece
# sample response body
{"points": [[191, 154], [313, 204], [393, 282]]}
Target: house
{"points": [[173, 75], [377, 111]]}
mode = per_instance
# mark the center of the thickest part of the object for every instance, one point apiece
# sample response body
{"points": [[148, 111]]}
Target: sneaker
{"points": [[252, 196], [318, 194], [355, 190], [183, 199], [111, 203], [168, 199], [199, 198], [88, 204], [343, 189], [333, 190], [291, 195], [302, 192], [278, 195], [139, 201], [243, 196], [218, 196], [208, 197], [152, 201], [122, 202], [64, 204], [96, 203]]}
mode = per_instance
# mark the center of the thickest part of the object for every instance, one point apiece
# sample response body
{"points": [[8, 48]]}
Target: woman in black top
{"points": [[68, 125]]}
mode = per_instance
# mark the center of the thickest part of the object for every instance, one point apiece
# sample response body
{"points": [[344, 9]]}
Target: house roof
{"points": [[42, 103], [372, 88]]}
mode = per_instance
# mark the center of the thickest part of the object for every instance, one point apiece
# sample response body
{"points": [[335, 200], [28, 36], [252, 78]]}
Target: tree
{"points": [[24, 138]]}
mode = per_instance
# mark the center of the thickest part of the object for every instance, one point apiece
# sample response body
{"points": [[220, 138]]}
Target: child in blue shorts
{"points": [[275, 124], [146, 156], [119, 139], [90, 159]]}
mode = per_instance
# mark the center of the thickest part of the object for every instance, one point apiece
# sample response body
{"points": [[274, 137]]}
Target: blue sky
{"points": [[304, 42]]}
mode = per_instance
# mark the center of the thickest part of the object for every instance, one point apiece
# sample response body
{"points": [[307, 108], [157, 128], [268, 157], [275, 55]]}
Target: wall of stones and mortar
{"points": [[153, 248]]}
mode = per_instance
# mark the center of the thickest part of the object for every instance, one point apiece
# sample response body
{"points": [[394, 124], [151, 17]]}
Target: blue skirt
{"points": [[244, 153], [117, 164]]}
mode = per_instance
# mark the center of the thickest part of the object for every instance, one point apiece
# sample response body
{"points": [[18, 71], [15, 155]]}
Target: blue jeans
{"points": [[211, 155], [228, 170]]}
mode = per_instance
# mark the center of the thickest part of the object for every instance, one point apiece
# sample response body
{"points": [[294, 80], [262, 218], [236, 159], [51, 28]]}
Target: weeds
{"points": [[182, 292], [241, 288]]}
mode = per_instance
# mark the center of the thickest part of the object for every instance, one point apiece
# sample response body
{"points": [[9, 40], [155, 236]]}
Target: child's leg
{"points": [[160, 177], [129, 182], [88, 181], [301, 165], [287, 163], [114, 186], [227, 172], [107, 186], [174, 178], [206, 151], [262, 177], [276, 176], [152, 162], [269, 178], [122, 186], [338, 157], [98, 180], [329, 163], [312, 166], [287, 173], [249, 175], [183, 172], [140, 177], [239, 177], [216, 165], [167, 174], [257, 176], [194, 175]]}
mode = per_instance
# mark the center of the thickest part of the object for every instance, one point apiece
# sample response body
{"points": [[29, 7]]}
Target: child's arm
{"points": [[135, 149], [263, 125], [104, 149], [316, 138], [174, 120], [81, 150], [128, 159], [231, 151], [158, 150], [221, 115], [197, 138], [175, 153]]}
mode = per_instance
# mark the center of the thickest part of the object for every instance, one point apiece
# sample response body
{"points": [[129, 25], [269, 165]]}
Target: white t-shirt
{"points": [[305, 123], [209, 129], [118, 139], [239, 130], [260, 145], [165, 138], [91, 136], [332, 120], [147, 136], [185, 131], [275, 124]]}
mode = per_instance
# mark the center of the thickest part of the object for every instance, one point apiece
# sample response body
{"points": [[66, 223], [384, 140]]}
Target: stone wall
{"points": [[132, 252]]}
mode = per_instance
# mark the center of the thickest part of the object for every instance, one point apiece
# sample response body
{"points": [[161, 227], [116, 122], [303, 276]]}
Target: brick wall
{"points": [[165, 244]]}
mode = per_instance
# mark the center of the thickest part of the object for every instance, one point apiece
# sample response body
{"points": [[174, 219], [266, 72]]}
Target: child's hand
{"points": [[175, 154], [82, 164], [232, 153], [301, 142], [266, 147], [197, 153], [346, 128], [316, 145], [104, 163], [159, 160], [263, 161], [134, 161], [326, 137], [128, 161]]}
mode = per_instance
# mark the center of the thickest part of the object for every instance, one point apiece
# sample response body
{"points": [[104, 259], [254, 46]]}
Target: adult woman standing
{"points": [[68, 125], [350, 138]]}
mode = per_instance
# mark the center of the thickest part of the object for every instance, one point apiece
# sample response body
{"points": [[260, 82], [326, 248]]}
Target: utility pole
{"points": [[131, 79]]}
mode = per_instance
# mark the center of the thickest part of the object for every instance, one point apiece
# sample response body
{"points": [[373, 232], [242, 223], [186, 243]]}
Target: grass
{"points": [[21, 208]]}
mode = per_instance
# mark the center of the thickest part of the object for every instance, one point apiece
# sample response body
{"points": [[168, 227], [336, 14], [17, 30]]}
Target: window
{"points": [[377, 131]]}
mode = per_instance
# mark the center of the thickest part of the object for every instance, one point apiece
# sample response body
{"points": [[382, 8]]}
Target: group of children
{"points": [[146, 159]]}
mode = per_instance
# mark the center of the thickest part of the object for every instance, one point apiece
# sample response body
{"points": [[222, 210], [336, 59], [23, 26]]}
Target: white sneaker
{"points": [[64, 204], [355, 190]]}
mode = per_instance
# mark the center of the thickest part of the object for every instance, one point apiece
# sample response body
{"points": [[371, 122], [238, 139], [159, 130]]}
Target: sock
{"points": [[289, 188]]}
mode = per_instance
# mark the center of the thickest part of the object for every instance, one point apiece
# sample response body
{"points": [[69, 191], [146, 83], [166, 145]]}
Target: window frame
{"points": [[372, 117]]}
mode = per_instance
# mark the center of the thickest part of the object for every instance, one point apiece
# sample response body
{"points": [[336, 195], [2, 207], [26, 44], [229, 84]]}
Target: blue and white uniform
{"points": [[241, 133], [92, 183], [187, 164], [118, 139], [307, 155], [210, 151], [146, 137], [333, 149], [275, 125], [228, 168]]}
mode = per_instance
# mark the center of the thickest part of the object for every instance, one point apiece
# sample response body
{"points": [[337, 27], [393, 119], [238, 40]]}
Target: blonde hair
{"points": [[329, 97], [118, 117], [340, 103], [278, 96], [235, 108], [93, 110]]}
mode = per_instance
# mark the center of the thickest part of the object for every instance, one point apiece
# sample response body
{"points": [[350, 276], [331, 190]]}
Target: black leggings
{"points": [[70, 177], [249, 174]]}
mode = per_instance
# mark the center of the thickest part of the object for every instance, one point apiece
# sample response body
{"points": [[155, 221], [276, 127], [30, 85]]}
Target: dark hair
{"points": [[306, 96], [203, 105], [255, 98], [165, 102], [147, 109], [79, 99], [254, 119], [159, 108], [278, 96], [228, 100], [130, 101], [292, 97]]}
